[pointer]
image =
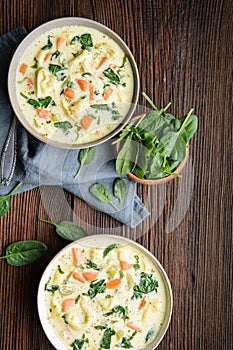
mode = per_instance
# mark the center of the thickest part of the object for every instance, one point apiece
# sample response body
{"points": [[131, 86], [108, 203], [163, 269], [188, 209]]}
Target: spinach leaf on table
{"points": [[85, 157], [67, 230], [5, 200], [102, 193], [120, 188], [24, 252]]}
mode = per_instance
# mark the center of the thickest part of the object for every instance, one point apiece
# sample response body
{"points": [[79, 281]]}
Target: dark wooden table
{"points": [[184, 54]]}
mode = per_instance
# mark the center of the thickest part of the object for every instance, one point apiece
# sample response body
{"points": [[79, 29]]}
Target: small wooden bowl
{"points": [[163, 179]]}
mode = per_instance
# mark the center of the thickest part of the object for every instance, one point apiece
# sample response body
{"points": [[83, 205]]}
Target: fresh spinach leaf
{"points": [[150, 335], [65, 126], [106, 340], [120, 188], [112, 76], [49, 44], [24, 252], [75, 40], [5, 200], [147, 285], [67, 230], [36, 63], [127, 157], [109, 248], [85, 157], [102, 194], [86, 41]]}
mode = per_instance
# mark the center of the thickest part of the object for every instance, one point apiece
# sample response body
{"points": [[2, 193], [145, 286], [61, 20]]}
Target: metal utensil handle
{"points": [[9, 154]]}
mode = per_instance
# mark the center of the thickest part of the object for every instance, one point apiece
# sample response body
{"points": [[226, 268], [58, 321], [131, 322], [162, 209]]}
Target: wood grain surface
{"points": [[184, 54]]}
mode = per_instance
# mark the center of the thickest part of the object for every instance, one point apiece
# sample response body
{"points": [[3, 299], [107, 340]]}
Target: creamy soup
{"points": [[74, 84], [108, 298]]}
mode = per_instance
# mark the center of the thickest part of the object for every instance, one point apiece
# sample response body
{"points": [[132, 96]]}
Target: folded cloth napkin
{"points": [[40, 164]]}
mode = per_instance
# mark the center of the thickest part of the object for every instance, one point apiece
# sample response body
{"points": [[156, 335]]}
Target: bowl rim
{"points": [[43, 28], [161, 180], [107, 239]]}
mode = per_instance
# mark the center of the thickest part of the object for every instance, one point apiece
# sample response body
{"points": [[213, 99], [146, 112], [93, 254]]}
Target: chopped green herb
{"points": [[75, 54], [70, 84], [108, 296], [77, 299], [49, 44], [36, 63], [121, 274], [52, 288]]}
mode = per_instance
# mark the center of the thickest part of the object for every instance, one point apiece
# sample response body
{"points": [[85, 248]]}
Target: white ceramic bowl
{"points": [[103, 241], [67, 21]]}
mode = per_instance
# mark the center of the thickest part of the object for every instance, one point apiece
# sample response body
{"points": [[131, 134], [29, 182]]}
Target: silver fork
{"points": [[9, 154]]}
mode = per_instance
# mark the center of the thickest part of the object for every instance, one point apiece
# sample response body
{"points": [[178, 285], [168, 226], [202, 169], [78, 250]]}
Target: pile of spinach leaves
{"points": [[154, 146]]}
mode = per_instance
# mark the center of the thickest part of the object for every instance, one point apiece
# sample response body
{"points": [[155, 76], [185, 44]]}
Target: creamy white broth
{"points": [[79, 321], [74, 93]]}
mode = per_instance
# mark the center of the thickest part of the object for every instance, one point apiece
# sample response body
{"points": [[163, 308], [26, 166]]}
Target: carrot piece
{"points": [[142, 303], [77, 277], [113, 284], [60, 41], [30, 83], [23, 68], [115, 66], [86, 122], [42, 113], [91, 90], [107, 93], [47, 56], [68, 92], [102, 61], [67, 303], [77, 256], [132, 326], [124, 265], [90, 276], [83, 84]]}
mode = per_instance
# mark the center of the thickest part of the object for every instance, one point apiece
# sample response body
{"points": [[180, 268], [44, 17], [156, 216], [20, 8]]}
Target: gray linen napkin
{"points": [[40, 164]]}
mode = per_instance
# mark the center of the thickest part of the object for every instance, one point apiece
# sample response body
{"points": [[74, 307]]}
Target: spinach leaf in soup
{"points": [[36, 65], [63, 125], [106, 340], [147, 285], [86, 41], [109, 248], [75, 40], [49, 44], [112, 76]]}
